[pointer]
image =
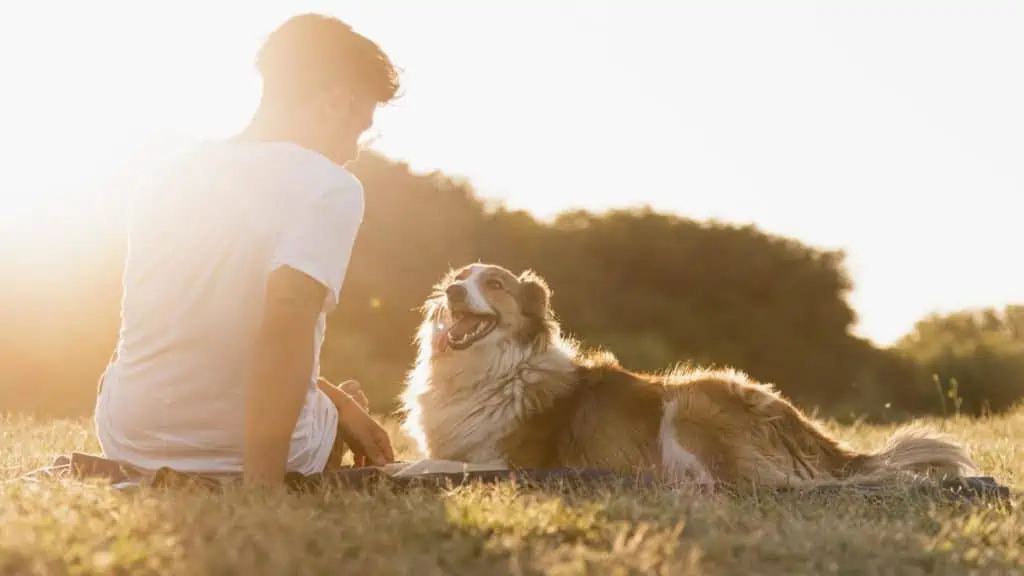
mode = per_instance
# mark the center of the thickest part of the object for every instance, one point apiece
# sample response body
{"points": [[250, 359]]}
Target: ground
{"points": [[68, 527]]}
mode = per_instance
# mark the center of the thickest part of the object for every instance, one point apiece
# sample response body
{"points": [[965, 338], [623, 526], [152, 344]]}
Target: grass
{"points": [[69, 527]]}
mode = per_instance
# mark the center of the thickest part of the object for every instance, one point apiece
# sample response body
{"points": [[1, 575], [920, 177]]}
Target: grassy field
{"points": [[67, 527]]}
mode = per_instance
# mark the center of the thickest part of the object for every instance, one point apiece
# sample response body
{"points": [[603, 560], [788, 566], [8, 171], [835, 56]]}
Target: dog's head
{"points": [[482, 304], [484, 329]]}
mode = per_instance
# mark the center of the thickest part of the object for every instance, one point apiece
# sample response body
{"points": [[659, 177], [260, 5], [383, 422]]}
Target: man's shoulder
{"points": [[329, 178], [341, 200], [339, 178], [344, 185], [338, 191], [286, 171], [345, 188]]}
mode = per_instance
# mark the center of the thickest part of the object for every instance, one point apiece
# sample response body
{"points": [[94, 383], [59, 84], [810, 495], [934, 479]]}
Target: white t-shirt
{"points": [[204, 237]]}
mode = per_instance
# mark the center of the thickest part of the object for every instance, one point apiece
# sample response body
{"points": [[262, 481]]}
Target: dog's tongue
{"points": [[455, 331], [464, 326]]}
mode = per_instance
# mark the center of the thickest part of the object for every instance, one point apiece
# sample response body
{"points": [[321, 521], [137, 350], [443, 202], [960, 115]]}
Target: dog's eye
{"points": [[494, 283]]}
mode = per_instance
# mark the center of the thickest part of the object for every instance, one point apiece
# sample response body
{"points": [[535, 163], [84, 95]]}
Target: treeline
{"points": [[656, 289], [975, 358]]}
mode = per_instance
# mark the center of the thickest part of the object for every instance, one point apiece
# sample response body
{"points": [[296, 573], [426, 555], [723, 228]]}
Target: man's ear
{"points": [[534, 295]]}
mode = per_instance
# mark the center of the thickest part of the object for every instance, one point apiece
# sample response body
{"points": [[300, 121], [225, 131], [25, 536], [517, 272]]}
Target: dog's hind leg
{"points": [[679, 464]]}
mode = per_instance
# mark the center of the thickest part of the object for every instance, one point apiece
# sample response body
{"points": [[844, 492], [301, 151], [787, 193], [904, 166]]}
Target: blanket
{"points": [[420, 473], [448, 474]]}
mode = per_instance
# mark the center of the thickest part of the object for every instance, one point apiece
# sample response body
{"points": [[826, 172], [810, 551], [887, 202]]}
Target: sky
{"points": [[891, 130]]}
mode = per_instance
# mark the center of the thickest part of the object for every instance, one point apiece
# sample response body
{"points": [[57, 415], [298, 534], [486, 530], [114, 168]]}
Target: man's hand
{"points": [[366, 438], [355, 390]]}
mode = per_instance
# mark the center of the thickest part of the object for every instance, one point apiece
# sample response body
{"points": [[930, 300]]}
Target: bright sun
{"points": [[92, 120]]}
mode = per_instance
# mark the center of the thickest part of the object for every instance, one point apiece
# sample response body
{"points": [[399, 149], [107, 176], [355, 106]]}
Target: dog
{"points": [[495, 382]]}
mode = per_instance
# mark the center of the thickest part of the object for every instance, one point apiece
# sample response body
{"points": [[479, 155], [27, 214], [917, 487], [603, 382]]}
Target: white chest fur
{"points": [[469, 427], [462, 407]]}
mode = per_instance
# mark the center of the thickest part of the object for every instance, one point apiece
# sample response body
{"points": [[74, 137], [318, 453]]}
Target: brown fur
{"points": [[525, 396]]}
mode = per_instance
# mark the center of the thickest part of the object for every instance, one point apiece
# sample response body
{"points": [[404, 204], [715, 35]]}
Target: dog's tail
{"points": [[919, 451]]}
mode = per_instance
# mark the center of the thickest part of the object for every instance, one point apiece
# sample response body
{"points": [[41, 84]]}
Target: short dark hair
{"points": [[310, 52]]}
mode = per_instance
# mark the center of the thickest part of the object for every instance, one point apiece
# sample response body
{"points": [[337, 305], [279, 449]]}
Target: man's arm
{"points": [[281, 369], [307, 269]]}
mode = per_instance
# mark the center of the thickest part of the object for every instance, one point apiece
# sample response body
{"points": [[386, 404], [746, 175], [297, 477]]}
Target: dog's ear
{"points": [[534, 295]]}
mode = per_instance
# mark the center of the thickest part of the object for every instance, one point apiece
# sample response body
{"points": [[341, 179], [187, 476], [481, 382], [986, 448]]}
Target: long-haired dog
{"points": [[496, 382]]}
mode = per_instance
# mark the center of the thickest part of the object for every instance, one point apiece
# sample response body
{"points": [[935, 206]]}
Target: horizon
{"points": [[906, 115]]}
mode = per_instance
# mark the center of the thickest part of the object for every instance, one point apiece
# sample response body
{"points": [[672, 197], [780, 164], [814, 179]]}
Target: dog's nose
{"points": [[456, 293]]}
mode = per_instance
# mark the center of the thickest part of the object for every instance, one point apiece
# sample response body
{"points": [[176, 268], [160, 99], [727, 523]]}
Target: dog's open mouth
{"points": [[466, 329]]}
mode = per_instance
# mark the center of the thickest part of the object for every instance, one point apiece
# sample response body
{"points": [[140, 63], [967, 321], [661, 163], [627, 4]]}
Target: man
{"points": [[236, 254]]}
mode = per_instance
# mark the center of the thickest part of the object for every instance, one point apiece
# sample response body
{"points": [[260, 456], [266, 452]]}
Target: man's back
{"points": [[204, 238]]}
